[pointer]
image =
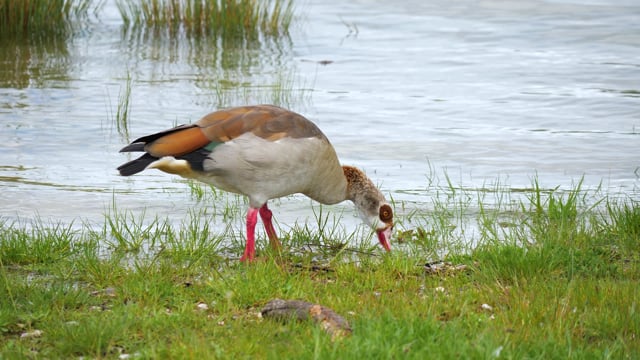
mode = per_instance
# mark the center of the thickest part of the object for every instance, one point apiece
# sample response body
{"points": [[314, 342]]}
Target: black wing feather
{"points": [[137, 165], [139, 143]]}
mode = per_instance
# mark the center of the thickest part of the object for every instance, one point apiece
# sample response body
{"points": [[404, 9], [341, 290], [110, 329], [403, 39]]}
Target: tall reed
{"points": [[122, 112], [40, 18], [228, 19]]}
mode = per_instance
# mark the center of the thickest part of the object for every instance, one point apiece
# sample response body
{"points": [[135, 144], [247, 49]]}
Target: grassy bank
{"points": [[558, 281]]}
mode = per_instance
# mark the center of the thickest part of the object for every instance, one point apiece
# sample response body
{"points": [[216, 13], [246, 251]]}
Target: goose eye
{"points": [[386, 214]]}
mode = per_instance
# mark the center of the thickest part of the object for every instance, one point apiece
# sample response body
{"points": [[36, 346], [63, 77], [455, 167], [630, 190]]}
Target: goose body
{"points": [[263, 152]]}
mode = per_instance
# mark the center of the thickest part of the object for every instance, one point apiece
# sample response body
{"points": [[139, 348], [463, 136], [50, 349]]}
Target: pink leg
{"points": [[250, 248], [266, 216]]}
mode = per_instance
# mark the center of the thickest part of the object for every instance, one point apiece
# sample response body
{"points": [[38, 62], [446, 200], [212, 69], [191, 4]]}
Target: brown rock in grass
{"points": [[285, 310]]}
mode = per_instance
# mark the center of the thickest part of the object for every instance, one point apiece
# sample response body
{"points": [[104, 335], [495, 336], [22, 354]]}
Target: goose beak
{"points": [[383, 236]]}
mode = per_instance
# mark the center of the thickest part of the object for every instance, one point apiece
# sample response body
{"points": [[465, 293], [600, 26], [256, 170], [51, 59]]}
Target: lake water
{"points": [[484, 92]]}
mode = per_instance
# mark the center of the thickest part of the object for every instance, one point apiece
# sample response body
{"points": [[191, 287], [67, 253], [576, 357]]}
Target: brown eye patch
{"points": [[386, 214]]}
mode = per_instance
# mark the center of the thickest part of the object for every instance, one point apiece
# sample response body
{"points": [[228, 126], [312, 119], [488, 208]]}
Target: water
{"points": [[486, 92]]}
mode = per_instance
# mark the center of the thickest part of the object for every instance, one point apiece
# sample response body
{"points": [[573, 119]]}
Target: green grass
{"points": [[123, 109], [41, 18], [552, 275], [284, 89], [220, 19]]}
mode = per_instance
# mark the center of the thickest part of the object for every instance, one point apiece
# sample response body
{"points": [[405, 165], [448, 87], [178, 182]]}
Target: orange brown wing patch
{"points": [[178, 143], [266, 121]]}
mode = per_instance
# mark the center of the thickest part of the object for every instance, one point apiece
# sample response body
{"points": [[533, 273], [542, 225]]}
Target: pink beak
{"points": [[383, 236]]}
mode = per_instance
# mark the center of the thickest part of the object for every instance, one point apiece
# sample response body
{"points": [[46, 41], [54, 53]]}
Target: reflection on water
{"points": [[484, 92], [225, 71], [34, 62]]}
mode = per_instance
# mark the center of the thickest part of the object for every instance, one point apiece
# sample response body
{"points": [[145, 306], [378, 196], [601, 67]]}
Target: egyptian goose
{"points": [[263, 152]]}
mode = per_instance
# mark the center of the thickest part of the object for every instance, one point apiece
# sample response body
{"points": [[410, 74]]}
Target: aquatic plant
{"points": [[41, 18], [285, 88], [229, 19], [122, 111]]}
